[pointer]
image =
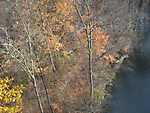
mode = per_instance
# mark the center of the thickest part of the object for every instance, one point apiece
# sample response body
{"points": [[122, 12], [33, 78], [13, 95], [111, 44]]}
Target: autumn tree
{"points": [[93, 38], [43, 28], [49, 35], [10, 96]]}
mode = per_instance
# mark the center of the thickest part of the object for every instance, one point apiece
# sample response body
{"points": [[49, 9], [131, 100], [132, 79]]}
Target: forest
{"points": [[69, 56]]}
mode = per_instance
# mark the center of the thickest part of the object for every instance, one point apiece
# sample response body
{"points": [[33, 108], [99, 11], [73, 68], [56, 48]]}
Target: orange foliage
{"points": [[55, 25], [110, 58], [100, 40], [113, 57], [64, 7], [54, 44]]}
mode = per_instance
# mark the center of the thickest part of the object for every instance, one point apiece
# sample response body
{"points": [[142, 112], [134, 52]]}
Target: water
{"points": [[132, 93]]}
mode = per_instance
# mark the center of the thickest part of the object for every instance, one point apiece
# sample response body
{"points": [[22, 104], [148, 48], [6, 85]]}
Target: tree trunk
{"points": [[89, 40], [38, 96]]}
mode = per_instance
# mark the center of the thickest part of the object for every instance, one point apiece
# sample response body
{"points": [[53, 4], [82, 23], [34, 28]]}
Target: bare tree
{"points": [[88, 29], [23, 62], [26, 56]]}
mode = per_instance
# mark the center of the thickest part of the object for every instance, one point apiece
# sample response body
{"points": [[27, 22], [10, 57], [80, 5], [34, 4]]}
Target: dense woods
{"points": [[61, 56]]}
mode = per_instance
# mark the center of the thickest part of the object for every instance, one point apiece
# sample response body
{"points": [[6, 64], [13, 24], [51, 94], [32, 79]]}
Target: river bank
{"points": [[131, 88]]}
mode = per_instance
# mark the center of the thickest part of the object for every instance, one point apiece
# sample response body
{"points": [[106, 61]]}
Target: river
{"points": [[132, 92]]}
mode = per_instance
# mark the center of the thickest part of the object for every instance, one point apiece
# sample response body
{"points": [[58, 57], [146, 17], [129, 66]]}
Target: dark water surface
{"points": [[132, 93]]}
